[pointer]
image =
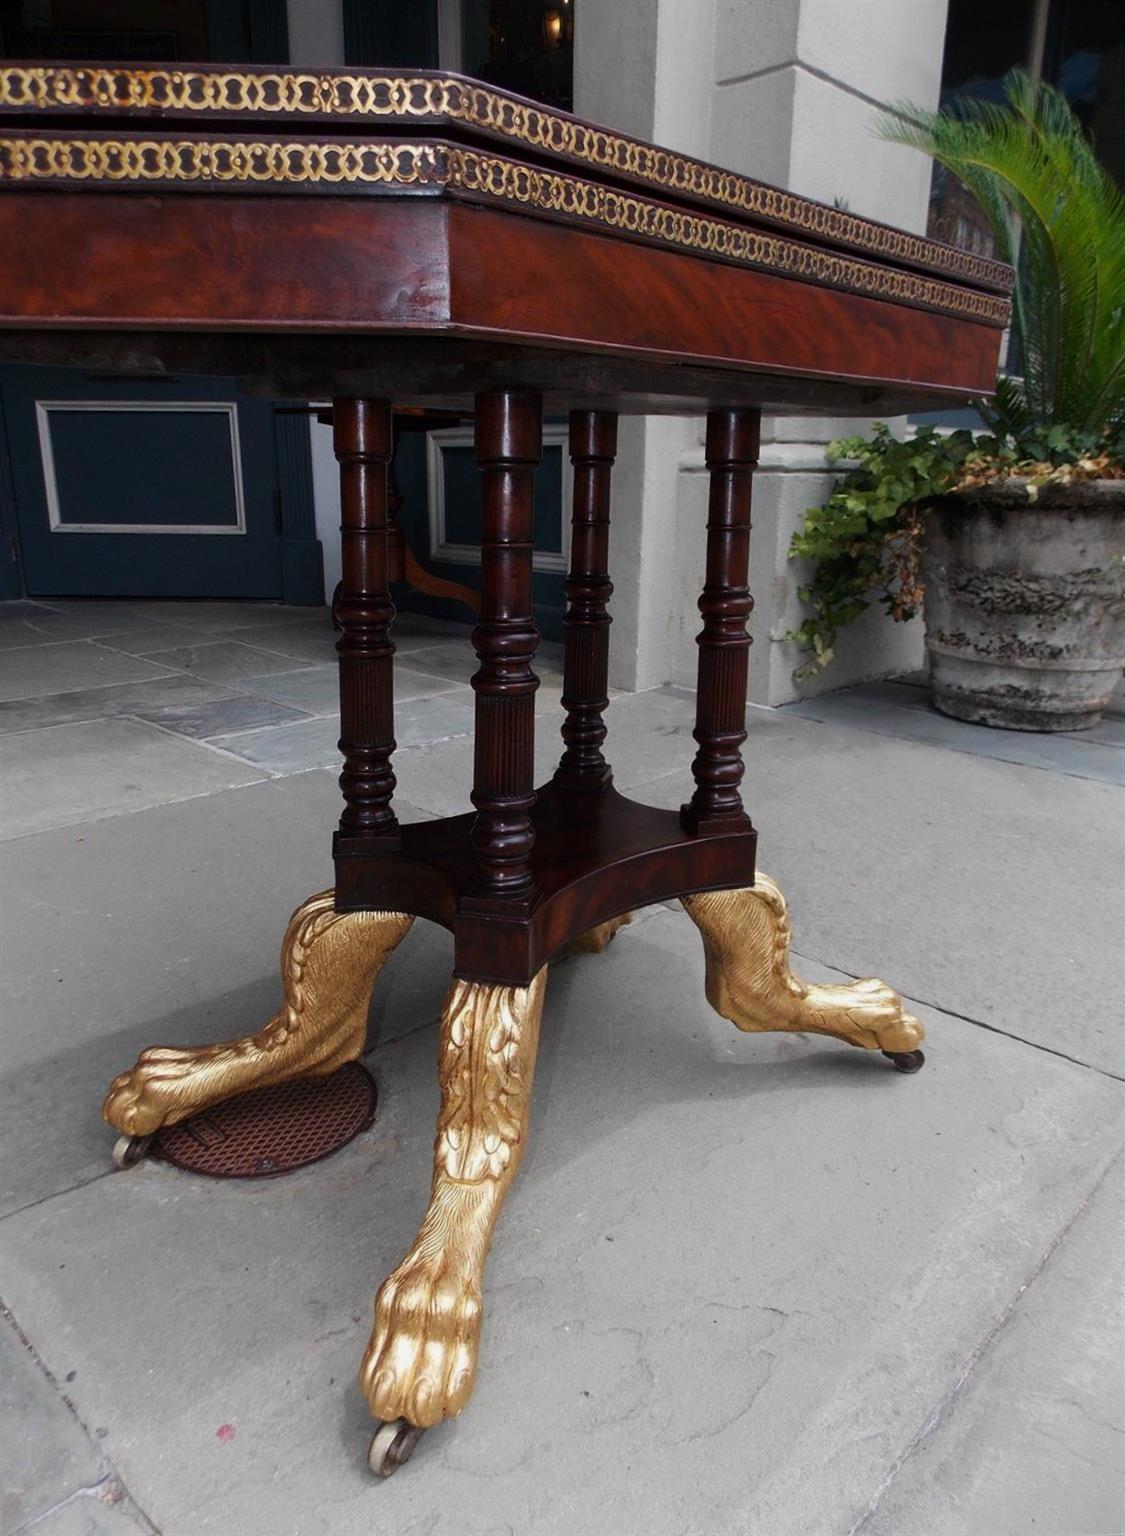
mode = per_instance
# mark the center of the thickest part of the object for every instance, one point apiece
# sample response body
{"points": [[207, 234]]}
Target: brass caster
{"points": [[906, 1061], [392, 1446], [128, 1150]]}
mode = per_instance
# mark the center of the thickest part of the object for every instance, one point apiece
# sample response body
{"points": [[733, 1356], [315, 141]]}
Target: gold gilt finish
{"points": [[329, 962], [421, 1362], [596, 940], [746, 939], [338, 94], [290, 163]]}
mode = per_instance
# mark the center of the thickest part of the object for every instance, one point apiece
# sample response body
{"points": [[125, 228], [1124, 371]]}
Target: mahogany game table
{"points": [[427, 242]]}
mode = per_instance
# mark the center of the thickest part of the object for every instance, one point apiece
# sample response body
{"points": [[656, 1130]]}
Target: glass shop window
{"points": [[1084, 55], [525, 46], [983, 40], [160, 31], [128, 29], [1078, 45]]}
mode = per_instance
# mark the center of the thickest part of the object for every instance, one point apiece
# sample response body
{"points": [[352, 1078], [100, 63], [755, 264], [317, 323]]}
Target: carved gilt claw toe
{"points": [[596, 940], [421, 1362], [746, 939], [329, 962]]}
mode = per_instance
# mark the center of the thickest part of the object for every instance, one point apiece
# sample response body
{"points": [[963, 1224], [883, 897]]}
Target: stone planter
{"points": [[1025, 603]]}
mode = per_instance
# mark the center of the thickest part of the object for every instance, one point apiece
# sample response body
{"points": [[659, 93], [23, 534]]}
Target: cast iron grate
{"points": [[270, 1131]]}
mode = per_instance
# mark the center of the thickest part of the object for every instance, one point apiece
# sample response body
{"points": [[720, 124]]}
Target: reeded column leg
{"points": [[421, 1363], [329, 962], [746, 939], [720, 718], [363, 443], [509, 436], [593, 447]]}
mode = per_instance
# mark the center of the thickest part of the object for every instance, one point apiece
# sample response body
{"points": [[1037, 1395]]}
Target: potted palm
{"points": [[1016, 535]]}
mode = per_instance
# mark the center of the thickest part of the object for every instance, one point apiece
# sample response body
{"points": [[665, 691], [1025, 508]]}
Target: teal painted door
{"points": [[130, 488], [145, 488]]}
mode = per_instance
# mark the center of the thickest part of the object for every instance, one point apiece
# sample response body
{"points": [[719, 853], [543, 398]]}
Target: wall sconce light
{"points": [[552, 28]]}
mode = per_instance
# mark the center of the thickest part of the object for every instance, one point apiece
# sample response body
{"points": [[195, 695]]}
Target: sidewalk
{"points": [[743, 1283]]}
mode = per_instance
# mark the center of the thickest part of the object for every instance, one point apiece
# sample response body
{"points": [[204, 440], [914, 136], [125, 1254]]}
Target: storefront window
{"points": [[525, 46], [1078, 45], [1085, 58]]}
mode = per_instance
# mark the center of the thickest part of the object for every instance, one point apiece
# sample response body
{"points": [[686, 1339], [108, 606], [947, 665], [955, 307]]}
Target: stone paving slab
{"points": [[48, 628], [1035, 1440], [987, 888], [156, 637], [47, 1454], [879, 708], [314, 640], [210, 617], [737, 1276], [219, 717], [88, 1515], [314, 743], [169, 690], [222, 660], [65, 666], [137, 931], [317, 689], [67, 774]]}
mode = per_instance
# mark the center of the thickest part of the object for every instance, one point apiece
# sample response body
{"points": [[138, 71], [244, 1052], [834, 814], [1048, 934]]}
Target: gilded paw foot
{"points": [[746, 939], [168, 1085], [422, 1359], [329, 962]]}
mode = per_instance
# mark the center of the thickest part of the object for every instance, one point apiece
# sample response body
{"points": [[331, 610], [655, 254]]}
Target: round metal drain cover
{"points": [[273, 1130]]}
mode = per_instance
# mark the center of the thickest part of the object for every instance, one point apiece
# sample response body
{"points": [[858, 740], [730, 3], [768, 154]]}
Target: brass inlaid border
{"points": [[452, 168], [437, 97]]}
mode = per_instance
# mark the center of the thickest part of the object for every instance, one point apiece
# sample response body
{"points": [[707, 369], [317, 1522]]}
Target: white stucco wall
{"points": [[785, 90]]}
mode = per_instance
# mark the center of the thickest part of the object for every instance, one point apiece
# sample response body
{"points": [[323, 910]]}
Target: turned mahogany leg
{"points": [[593, 446], [361, 432], [509, 435], [720, 713]]}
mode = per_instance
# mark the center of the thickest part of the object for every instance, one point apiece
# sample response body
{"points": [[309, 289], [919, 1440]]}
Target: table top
{"points": [[426, 236]]}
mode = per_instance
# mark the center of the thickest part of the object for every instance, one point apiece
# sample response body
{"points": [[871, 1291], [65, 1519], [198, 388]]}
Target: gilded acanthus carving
{"points": [[421, 1362]]}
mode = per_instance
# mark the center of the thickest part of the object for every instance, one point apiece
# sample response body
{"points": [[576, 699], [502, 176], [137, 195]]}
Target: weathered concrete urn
{"points": [[1025, 603]]}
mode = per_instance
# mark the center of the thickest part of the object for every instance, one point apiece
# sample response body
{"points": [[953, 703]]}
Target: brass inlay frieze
{"points": [[453, 168], [447, 98]]}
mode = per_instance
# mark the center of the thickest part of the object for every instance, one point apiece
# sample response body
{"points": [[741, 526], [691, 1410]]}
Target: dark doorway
{"points": [[151, 487]]}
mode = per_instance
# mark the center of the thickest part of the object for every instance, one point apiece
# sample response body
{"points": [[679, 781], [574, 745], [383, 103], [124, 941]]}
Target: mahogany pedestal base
{"points": [[525, 877]]}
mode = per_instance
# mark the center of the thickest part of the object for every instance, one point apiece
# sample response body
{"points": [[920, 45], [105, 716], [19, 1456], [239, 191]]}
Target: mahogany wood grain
{"points": [[363, 442], [524, 277], [720, 714], [594, 857], [593, 447], [426, 265], [509, 443]]}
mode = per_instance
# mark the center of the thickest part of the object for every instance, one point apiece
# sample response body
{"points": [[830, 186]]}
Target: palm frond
{"points": [[1055, 213]]}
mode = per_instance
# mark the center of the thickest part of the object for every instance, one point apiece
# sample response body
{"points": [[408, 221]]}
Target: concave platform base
{"points": [[596, 855], [271, 1131]]}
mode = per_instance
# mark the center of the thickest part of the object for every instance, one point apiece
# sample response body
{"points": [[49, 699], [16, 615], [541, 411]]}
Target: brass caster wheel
{"points": [[392, 1446], [906, 1061], [128, 1150]]}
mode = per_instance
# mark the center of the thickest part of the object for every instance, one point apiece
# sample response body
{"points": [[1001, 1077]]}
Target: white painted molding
{"points": [[227, 408], [555, 435]]}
